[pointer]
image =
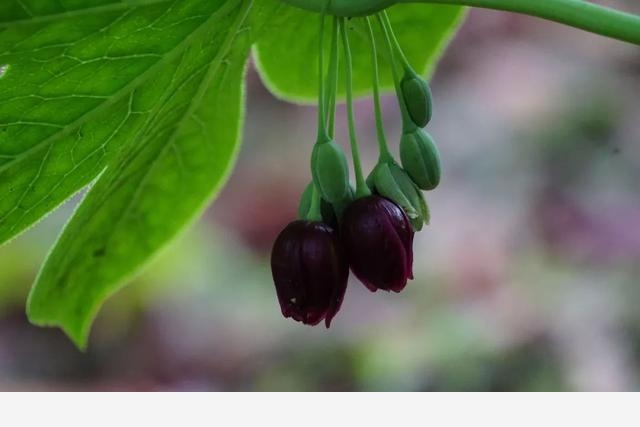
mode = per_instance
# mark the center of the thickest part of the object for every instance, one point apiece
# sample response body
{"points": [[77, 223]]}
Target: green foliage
{"points": [[146, 96], [290, 69], [140, 101]]}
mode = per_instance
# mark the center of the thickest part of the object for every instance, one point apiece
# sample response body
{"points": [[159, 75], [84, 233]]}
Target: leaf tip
{"points": [[78, 333]]}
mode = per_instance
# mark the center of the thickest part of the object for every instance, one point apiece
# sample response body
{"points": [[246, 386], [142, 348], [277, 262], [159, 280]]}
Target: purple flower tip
{"points": [[378, 238], [310, 272]]}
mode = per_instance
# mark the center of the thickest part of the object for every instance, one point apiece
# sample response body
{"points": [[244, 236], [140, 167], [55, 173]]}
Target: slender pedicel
{"points": [[361, 187], [322, 125], [407, 123], [385, 154], [332, 79], [329, 166], [414, 89]]}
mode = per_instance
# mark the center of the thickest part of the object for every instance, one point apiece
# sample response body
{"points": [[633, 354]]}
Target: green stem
{"points": [[385, 154], [407, 124], [576, 13], [322, 126], [315, 211], [361, 186], [396, 45], [332, 80]]}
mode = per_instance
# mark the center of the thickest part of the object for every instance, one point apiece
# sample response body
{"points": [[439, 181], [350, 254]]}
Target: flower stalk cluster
{"points": [[369, 229]]}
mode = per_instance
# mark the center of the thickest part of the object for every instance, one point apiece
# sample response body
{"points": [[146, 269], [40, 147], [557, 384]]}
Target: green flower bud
{"points": [[417, 97], [391, 181], [330, 171], [421, 159], [330, 213]]}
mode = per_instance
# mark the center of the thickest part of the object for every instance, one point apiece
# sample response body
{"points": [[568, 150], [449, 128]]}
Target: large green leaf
{"points": [[288, 61], [79, 88], [150, 98]]}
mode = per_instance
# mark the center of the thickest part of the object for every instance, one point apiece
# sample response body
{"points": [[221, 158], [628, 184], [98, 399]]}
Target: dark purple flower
{"points": [[378, 238], [310, 271]]}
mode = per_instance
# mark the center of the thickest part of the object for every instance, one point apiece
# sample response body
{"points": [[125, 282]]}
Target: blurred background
{"points": [[528, 278]]}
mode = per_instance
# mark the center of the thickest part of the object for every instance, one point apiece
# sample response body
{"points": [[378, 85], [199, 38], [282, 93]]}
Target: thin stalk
{"points": [[322, 125], [315, 212], [396, 44], [361, 187], [407, 124], [385, 154], [332, 79]]}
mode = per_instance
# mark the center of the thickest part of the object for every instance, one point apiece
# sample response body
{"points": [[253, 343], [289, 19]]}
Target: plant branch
{"points": [[576, 13]]}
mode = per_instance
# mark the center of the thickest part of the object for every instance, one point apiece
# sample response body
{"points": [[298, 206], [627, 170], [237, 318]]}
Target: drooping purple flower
{"points": [[310, 272], [378, 238]]}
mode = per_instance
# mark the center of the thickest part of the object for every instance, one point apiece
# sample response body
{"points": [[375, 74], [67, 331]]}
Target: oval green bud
{"points": [[329, 214], [390, 181], [417, 98], [330, 171], [421, 159]]}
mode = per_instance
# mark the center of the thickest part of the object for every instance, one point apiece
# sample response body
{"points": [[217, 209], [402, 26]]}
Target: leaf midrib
{"points": [[213, 69], [138, 81]]}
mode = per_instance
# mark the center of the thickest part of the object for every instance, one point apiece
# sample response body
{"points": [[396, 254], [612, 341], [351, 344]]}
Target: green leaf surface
{"points": [[288, 61], [76, 91], [147, 97], [13, 12]]}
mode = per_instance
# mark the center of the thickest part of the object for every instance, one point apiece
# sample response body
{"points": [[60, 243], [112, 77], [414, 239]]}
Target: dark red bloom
{"points": [[310, 271], [378, 238]]}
